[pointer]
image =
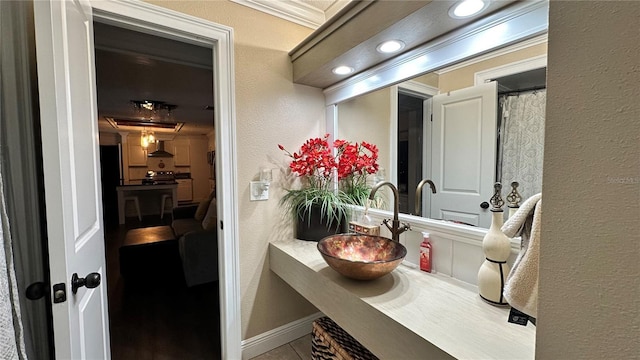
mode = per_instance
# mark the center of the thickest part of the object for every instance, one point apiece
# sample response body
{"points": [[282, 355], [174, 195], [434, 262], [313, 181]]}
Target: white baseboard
{"points": [[279, 336]]}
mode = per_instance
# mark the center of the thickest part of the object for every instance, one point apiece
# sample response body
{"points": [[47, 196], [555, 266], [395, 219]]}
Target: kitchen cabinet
{"points": [[137, 155], [181, 153], [185, 189]]}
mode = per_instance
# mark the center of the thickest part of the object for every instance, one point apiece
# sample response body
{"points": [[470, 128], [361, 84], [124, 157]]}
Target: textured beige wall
{"points": [[589, 295], [465, 77], [431, 79], [369, 120], [270, 109]]}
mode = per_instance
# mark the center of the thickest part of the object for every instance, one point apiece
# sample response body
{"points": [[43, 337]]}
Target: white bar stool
{"points": [[162, 203], [136, 203]]}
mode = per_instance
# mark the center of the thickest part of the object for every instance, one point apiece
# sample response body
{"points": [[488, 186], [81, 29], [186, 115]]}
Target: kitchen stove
{"points": [[159, 178]]}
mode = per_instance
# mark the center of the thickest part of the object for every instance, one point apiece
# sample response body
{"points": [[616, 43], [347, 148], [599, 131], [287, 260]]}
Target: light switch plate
{"points": [[257, 191]]}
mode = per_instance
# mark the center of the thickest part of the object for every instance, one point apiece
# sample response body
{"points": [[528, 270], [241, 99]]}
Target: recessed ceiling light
{"points": [[390, 46], [343, 70], [467, 8]]}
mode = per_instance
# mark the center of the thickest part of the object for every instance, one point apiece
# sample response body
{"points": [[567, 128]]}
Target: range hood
{"points": [[160, 150]]}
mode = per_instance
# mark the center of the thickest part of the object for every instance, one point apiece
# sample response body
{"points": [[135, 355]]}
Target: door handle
{"points": [[37, 290], [484, 205], [91, 281]]}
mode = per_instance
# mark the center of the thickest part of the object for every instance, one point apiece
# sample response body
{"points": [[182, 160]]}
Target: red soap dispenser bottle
{"points": [[425, 253]]}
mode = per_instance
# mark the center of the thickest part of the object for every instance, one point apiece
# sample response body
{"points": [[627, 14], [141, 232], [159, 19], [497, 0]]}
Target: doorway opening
{"points": [[411, 134], [410, 144], [69, 144], [151, 284]]}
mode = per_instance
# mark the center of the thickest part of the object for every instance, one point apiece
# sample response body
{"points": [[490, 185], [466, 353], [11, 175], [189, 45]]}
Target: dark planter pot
{"points": [[314, 227]]}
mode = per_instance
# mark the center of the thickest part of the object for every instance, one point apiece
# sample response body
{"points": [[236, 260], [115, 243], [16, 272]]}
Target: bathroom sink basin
{"points": [[361, 257]]}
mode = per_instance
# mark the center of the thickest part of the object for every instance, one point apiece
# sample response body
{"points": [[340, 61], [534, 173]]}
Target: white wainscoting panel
{"points": [[457, 249], [442, 249], [466, 262]]}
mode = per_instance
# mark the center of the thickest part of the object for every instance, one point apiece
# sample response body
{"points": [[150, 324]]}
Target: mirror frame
{"points": [[514, 24]]}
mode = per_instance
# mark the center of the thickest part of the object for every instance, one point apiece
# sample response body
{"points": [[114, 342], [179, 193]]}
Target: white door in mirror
{"points": [[464, 153]]}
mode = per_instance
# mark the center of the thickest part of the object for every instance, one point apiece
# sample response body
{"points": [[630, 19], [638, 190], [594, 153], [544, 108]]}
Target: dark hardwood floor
{"points": [[156, 316]]}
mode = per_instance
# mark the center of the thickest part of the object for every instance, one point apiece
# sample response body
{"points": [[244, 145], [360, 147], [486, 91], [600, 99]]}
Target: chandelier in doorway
{"points": [[152, 113], [146, 138], [153, 110]]}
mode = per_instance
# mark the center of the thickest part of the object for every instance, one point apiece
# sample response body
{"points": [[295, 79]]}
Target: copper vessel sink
{"points": [[361, 257]]}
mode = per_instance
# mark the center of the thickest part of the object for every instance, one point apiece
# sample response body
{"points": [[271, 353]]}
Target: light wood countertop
{"points": [[408, 314]]}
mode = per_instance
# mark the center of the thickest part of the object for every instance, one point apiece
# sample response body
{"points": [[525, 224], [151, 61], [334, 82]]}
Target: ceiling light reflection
{"points": [[390, 46], [343, 70], [467, 8]]}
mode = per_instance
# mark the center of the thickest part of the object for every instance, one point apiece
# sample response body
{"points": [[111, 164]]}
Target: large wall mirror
{"points": [[463, 126]]}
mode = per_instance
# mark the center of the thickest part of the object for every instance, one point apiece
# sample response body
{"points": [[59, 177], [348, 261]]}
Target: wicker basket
{"points": [[330, 341]]}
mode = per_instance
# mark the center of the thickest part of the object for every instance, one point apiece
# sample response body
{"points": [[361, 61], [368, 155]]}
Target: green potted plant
{"points": [[319, 209]]}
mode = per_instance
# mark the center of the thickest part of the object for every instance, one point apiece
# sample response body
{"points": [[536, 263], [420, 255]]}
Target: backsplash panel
{"points": [[457, 249], [466, 261]]}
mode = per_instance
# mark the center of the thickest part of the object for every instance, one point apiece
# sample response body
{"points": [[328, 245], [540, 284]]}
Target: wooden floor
{"points": [[159, 317]]}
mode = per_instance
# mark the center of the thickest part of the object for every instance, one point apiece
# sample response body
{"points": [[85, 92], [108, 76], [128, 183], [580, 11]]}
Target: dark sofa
{"points": [[197, 243]]}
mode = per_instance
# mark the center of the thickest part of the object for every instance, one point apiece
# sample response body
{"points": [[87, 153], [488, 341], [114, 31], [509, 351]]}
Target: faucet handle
{"points": [[386, 223]]}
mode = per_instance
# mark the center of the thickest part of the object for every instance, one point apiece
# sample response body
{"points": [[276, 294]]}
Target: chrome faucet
{"points": [[396, 228], [419, 193]]}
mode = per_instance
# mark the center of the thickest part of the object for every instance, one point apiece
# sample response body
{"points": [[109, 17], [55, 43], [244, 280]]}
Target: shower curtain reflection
{"points": [[522, 140]]}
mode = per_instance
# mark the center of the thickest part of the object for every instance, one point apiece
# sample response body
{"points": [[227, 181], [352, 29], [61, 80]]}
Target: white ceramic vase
{"points": [[494, 270]]}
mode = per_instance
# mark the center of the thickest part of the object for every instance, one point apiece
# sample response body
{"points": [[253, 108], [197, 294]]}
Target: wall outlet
{"points": [[259, 190]]}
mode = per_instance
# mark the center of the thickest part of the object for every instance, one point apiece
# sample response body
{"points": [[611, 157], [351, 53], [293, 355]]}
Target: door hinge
{"points": [[221, 225]]}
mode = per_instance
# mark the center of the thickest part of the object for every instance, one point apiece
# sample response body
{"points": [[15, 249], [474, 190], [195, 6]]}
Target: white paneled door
{"points": [[464, 153], [67, 92]]}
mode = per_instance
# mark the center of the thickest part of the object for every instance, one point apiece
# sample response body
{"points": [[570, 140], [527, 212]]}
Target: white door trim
{"points": [[418, 89], [157, 20], [517, 67], [393, 135], [412, 88]]}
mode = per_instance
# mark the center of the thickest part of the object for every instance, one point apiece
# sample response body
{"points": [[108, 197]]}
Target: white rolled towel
{"points": [[521, 287]]}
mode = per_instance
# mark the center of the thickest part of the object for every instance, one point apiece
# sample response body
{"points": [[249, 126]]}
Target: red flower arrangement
{"points": [[314, 161], [318, 163], [355, 162]]}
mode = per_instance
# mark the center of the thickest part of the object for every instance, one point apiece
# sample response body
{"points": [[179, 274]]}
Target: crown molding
{"points": [[418, 89], [335, 8], [294, 11], [541, 39]]}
